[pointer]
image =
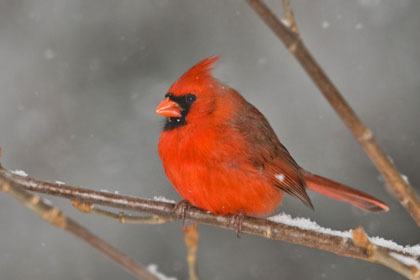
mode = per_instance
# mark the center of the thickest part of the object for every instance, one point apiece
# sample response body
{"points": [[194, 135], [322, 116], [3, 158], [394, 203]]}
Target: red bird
{"points": [[222, 155]]}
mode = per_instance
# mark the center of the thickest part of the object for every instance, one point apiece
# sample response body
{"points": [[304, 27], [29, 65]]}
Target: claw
{"points": [[180, 209], [236, 222]]}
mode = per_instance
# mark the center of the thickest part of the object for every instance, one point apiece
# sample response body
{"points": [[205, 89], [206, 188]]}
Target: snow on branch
{"points": [[280, 227]]}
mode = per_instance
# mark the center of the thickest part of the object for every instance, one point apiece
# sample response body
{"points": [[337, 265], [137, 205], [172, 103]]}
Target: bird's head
{"points": [[192, 96]]}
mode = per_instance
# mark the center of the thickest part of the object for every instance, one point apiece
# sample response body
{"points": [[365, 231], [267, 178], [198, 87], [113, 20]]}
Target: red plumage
{"points": [[222, 155]]}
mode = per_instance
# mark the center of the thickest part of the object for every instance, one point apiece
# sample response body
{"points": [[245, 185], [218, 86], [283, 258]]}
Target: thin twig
{"points": [[396, 184], [384, 257], [289, 16], [55, 217], [257, 226], [120, 216], [191, 238]]}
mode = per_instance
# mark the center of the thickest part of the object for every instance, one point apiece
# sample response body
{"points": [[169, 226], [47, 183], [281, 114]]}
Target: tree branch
{"points": [[120, 216], [191, 238], [397, 185], [385, 258], [340, 245], [55, 217]]}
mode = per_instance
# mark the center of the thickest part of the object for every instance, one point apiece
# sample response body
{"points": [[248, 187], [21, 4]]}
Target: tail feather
{"points": [[344, 193]]}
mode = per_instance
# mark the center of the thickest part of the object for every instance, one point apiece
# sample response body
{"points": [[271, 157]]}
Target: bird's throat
{"points": [[172, 123]]}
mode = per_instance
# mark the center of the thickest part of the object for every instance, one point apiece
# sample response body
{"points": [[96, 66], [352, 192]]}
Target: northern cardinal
{"points": [[221, 154]]}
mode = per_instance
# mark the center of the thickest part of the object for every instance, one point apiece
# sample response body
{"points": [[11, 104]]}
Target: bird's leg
{"points": [[236, 221], [180, 208]]}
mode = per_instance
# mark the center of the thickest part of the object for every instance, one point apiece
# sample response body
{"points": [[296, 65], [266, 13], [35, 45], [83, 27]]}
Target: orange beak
{"points": [[169, 109]]}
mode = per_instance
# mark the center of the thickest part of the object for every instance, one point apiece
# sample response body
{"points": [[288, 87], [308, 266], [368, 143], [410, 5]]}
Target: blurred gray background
{"points": [[79, 84]]}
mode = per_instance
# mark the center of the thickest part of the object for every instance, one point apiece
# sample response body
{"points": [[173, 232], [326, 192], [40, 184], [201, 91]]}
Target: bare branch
{"points": [[385, 257], [191, 241], [120, 217], [339, 245], [55, 217], [397, 185]]}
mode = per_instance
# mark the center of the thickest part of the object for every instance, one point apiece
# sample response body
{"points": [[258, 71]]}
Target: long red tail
{"points": [[341, 192]]}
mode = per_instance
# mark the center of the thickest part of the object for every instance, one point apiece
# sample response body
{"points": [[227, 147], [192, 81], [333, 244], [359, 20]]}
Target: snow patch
{"points": [[405, 260], [307, 224], [405, 178], [20, 173], [163, 199], [60, 183], [411, 250], [286, 22], [280, 177], [153, 268]]}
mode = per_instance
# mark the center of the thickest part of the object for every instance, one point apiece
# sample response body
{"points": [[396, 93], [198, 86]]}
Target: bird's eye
{"points": [[191, 98]]}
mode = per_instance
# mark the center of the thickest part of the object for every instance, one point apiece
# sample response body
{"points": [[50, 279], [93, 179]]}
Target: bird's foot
{"points": [[236, 221], [180, 209]]}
